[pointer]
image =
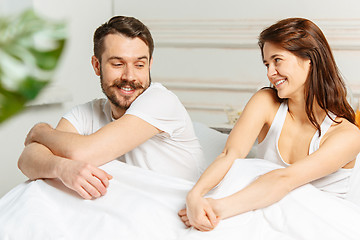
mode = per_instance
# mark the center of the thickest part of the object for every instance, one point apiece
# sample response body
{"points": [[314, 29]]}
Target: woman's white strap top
{"points": [[268, 148], [336, 183]]}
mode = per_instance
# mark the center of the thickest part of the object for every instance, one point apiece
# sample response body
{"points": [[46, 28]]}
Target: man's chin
{"points": [[123, 104]]}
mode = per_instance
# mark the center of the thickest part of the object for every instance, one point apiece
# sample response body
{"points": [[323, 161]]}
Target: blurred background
{"points": [[205, 52]]}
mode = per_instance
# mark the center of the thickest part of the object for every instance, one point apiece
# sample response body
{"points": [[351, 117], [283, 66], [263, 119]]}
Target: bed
{"points": [[142, 204]]}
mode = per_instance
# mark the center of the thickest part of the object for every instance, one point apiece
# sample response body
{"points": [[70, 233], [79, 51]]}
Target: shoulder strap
{"points": [[325, 125], [275, 127]]}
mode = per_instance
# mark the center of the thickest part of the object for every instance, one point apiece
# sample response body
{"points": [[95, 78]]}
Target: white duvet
{"points": [[141, 204]]}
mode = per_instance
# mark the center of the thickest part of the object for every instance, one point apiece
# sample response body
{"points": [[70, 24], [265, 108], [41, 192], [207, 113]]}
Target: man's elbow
{"points": [[20, 162], [23, 165]]}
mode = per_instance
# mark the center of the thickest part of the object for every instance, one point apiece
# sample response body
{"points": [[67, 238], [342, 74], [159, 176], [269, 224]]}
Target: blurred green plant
{"points": [[30, 48]]}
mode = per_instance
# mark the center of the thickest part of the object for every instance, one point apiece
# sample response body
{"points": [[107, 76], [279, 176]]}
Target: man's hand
{"points": [[88, 181], [199, 214], [34, 131]]}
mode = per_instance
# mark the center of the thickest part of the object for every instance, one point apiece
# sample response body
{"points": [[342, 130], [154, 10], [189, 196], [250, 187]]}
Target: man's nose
{"points": [[128, 73]]}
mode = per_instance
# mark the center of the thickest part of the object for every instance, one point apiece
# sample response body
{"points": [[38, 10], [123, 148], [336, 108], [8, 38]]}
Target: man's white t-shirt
{"points": [[175, 151]]}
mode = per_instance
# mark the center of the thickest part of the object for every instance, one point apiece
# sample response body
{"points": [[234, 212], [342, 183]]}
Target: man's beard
{"points": [[126, 101]]}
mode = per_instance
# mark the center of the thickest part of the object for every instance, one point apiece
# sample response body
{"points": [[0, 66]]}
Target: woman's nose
{"points": [[271, 71]]}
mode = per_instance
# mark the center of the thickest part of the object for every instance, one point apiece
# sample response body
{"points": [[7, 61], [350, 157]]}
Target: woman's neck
{"points": [[297, 111]]}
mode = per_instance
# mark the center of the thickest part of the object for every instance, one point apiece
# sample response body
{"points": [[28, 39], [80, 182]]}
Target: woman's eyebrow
{"points": [[272, 57]]}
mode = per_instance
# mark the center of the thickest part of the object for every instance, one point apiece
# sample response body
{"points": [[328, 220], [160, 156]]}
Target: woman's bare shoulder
{"points": [[345, 129], [266, 98], [345, 125], [263, 105]]}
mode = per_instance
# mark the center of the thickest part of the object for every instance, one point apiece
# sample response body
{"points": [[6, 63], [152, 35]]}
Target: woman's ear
{"points": [[96, 65]]}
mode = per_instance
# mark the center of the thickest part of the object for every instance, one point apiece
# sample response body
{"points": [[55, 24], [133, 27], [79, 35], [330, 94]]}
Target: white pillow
{"points": [[211, 141]]}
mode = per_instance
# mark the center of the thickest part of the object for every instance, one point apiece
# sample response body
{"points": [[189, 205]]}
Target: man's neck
{"points": [[116, 112]]}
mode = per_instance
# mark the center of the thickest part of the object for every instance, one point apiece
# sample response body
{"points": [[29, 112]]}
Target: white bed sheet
{"points": [[141, 204]]}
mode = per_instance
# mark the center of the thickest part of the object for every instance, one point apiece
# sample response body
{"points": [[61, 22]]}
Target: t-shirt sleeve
{"points": [[79, 116], [162, 109]]}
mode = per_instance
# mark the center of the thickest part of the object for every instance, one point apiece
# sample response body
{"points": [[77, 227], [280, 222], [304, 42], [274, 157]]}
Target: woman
{"points": [[303, 122]]}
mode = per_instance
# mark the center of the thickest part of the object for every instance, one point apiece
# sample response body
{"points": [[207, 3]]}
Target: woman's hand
{"points": [[199, 213]]}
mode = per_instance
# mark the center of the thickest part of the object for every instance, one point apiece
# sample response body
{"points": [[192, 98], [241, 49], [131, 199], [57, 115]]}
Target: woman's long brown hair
{"points": [[324, 83]]}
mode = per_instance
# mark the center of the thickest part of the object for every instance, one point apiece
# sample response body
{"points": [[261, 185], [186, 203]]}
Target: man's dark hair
{"points": [[127, 26]]}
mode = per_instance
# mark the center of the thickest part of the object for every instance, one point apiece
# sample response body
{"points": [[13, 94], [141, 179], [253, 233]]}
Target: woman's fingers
{"points": [[182, 212], [212, 216]]}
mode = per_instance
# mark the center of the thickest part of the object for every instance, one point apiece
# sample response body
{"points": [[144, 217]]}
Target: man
{"points": [[140, 123]]}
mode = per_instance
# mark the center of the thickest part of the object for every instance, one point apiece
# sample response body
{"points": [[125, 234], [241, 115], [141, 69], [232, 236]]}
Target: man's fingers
{"points": [[103, 176], [87, 180], [87, 190], [97, 188], [84, 194]]}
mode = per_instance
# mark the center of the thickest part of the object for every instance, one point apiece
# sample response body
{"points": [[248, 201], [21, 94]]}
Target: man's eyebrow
{"points": [[143, 57], [121, 58]]}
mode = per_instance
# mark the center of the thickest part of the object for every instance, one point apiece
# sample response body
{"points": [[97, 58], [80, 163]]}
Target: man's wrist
{"points": [[58, 163], [41, 130]]}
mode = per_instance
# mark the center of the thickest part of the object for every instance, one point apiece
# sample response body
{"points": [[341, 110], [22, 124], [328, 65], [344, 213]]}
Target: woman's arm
{"points": [[257, 113], [341, 147], [108, 143]]}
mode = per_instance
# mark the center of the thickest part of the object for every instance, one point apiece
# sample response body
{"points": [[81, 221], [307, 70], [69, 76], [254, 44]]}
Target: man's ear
{"points": [[151, 61], [96, 65]]}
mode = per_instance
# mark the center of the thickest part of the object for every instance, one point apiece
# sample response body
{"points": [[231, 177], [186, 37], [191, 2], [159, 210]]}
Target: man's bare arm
{"points": [[37, 161], [108, 143]]}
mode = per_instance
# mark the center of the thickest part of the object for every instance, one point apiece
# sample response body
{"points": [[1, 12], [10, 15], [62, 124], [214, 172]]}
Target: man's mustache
{"points": [[123, 83]]}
